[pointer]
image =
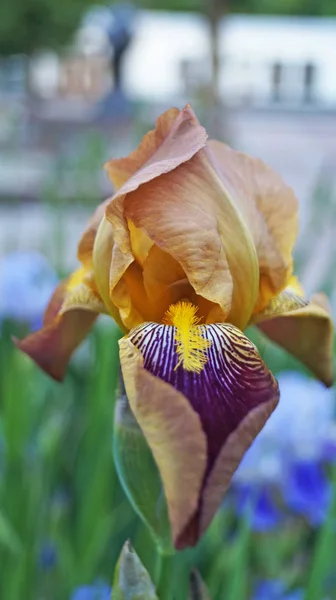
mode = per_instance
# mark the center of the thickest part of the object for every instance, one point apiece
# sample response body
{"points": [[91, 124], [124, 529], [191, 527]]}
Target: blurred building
{"points": [[263, 60]]}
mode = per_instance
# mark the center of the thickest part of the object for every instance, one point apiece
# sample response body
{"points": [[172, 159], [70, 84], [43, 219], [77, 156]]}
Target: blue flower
{"points": [[307, 490], [266, 514], [27, 282], [275, 589], [100, 591], [304, 419], [288, 454], [301, 428], [272, 589], [48, 556]]}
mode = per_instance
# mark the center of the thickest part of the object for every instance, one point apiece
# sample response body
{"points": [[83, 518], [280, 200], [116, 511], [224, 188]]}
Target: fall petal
{"points": [[68, 319], [306, 332], [229, 458], [173, 431], [290, 299], [231, 387], [269, 207]]}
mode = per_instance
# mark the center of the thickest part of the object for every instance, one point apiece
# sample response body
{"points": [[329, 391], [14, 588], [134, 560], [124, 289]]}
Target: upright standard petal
{"points": [[121, 169], [269, 207], [68, 319], [178, 201], [304, 329], [212, 377], [86, 243]]}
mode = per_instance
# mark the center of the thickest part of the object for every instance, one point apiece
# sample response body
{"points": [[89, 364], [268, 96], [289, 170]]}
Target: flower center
{"points": [[191, 346]]}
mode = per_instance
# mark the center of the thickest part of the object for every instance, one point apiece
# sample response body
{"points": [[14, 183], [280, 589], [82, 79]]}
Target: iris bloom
{"points": [[194, 246]]}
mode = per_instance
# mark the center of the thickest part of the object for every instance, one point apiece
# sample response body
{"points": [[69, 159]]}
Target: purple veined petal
{"points": [[233, 382], [230, 390], [307, 491]]}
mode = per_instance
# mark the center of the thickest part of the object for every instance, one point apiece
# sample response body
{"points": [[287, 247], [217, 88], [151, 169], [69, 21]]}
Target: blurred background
{"points": [[81, 82]]}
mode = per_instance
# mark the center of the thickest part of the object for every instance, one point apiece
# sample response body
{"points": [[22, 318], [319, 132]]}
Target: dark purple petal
{"points": [[232, 392], [233, 381]]}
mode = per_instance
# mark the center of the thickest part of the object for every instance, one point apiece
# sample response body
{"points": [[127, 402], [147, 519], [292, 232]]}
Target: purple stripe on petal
{"points": [[232, 383]]}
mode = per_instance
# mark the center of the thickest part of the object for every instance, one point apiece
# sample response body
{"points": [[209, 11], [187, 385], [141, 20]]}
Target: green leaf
{"points": [[322, 562], [131, 580], [8, 537], [237, 587]]}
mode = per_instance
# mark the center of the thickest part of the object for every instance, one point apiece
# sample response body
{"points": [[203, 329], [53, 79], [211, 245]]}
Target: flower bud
{"points": [[139, 475], [131, 580]]}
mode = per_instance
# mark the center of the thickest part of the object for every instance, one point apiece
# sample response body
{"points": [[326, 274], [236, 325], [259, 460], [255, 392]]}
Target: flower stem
{"points": [[163, 572]]}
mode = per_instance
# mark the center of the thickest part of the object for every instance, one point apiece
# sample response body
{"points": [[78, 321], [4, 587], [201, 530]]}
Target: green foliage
{"points": [[29, 26], [26, 26], [58, 484], [272, 7], [322, 560], [287, 7], [198, 589]]}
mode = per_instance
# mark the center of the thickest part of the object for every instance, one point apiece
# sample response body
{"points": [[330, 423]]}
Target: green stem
{"points": [[163, 576]]}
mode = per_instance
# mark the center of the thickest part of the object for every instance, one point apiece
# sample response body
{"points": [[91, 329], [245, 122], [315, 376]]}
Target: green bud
{"points": [[198, 590], [139, 475], [131, 580]]}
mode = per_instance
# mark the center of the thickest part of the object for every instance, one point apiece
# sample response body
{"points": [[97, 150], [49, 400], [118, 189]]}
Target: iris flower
{"points": [[195, 245]]}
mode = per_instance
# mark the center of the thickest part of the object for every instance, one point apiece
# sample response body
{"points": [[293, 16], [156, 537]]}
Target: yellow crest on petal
{"points": [[191, 346]]}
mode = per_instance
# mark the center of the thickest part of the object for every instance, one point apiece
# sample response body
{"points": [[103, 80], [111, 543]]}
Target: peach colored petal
{"points": [[165, 281], [55, 302], [290, 299], [140, 243], [307, 333], [269, 207], [121, 169], [101, 264], [173, 431], [86, 243], [184, 138], [68, 319], [190, 216]]}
